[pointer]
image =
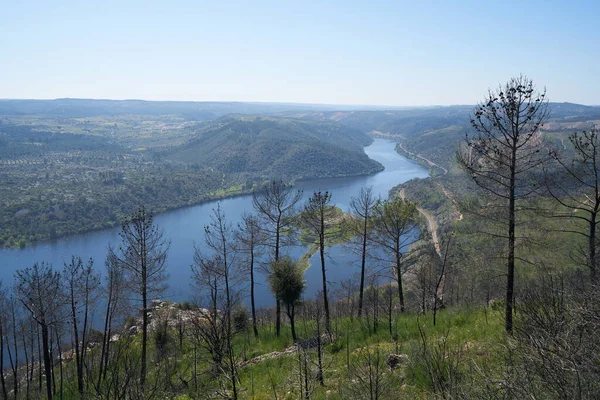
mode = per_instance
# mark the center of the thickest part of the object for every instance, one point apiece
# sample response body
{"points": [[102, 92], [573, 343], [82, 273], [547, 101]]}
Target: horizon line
{"points": [[267, 102]]}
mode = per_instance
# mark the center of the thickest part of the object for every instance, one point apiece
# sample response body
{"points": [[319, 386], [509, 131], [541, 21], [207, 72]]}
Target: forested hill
{"points": [[278, 147], [65, 175]]}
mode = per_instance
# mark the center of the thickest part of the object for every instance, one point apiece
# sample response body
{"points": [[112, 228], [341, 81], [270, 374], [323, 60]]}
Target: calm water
{"points": [[185, 227]]}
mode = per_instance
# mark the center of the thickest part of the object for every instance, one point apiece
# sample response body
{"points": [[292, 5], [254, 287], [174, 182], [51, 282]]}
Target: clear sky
{"points": [[336, 52]]}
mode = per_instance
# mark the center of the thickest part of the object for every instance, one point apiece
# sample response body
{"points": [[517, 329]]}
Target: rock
{"points": [[68, 356], [157, 304], [395, 360], [133, 330]]}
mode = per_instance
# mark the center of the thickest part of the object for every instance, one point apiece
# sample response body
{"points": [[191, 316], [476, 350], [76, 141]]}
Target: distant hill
{"points": [[278, 147], [405, 121], [193, 110], [435, 132], [417, 121]]}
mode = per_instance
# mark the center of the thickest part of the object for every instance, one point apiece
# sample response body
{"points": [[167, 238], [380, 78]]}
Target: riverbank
{"points": [[221, 194]]}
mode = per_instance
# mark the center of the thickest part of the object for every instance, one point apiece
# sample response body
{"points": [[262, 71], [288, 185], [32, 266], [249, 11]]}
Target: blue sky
{"points": [[337, 52]]}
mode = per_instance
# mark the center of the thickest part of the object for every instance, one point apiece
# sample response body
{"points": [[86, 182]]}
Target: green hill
{"points": [[278, 147]]}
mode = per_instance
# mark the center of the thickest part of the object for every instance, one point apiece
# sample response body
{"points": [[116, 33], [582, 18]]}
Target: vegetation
{"points": [[426, 317], [142, 259], [275, 206], [362, 208], [503, 154], [287, 284], [276, 147], [70, 175], [317, 218]]}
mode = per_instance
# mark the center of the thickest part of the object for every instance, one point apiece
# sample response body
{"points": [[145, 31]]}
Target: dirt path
{"points": [[432, 227], [304, 344], [431, 224], [449, 195], [428, 161], [446, 192]]}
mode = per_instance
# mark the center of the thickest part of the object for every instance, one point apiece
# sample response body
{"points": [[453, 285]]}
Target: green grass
{"points": [[467, 330], [475, 335]]}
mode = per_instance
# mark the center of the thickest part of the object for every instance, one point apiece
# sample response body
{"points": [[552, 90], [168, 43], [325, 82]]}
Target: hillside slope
{"points": [[278, 147]]}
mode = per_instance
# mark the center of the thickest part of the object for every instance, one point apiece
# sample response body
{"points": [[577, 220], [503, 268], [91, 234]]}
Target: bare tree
{"points": [[13, 352], [27, 330], [209, 331], [576, 186], [440, 359], [388, 295], [362, 208], [425, 274], [58, 333], [318, 219], [142, 256], [438, 294], [39, 290], [115, 301], [3, 336], [367, 375], [119, 381], [314, 313], [81, 284], [346, 294], [553, 353], [396, 228], [276, 205], [503, 153], [218, 237], [249, 236], [372, 300], [305, 372]]}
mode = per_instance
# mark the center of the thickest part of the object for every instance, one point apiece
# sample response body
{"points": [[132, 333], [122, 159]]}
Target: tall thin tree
{"points": [[318, 218], [3, 337], [503, 153], [395, 229], [13, 355], [249, 237], [218, 237], [39, 289], [275, 205], [143, 257], [362, 208], [115, 301], [575, 185], [81, 284]]}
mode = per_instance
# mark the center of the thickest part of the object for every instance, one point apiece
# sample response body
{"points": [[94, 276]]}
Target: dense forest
{"points": [[481, 282]]}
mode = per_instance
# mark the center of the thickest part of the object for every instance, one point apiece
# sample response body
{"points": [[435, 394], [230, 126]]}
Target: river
{"points": [[184, 227]]}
